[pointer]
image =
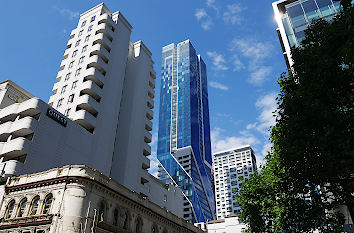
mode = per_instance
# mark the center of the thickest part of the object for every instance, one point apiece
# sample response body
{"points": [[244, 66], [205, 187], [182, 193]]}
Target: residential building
{"points": [[183, 148], [294, 16], [81, 199], [99, 114], [230, 167], [229, 224]]}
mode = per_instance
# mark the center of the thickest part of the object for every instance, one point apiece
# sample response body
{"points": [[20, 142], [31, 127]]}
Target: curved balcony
{"points": [[148, 125], [73, 32], [145, 163], [151, 92], [88, 103], [147, 136], [145, 177], [24, 126], [59, 75], [105, 29], [85, 119], [149, 113], [150, 103], [5, 131], [55, 87], [10, 112], [89, 87], [98, 63], [11, 167], [14, 148], [94, 75], [100, 50], [105, 18], [102, 39], [147, 149]]}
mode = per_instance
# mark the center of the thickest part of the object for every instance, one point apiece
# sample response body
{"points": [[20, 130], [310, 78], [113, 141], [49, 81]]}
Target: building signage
{"points": [[57, 117]]}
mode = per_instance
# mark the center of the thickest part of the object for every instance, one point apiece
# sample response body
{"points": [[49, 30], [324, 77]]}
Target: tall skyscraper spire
{"points": [[184, 133]]}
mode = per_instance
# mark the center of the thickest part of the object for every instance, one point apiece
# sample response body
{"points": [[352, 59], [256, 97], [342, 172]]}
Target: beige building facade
{"points": [[81, 199]]}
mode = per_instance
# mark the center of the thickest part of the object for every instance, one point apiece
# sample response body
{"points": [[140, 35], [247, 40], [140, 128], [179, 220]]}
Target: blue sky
{"points": [[236, 38]]}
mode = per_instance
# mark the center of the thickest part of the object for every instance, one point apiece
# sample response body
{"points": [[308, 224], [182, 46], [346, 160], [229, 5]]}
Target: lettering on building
{"points": [[51, 113]]}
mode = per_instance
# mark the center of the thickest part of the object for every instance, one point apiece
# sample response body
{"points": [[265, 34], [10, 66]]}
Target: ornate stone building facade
{"points": [[81, 199]]}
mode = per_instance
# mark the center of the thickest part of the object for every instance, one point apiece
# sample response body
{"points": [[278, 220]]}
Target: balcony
{"points": [[145, 163], [102, 39], [5, 131], [85, 119], [89, 104], [15, 148], [105, 18], [144, 176], [24, 126], [147, 136], [55, 87], [147, 149], [89, 87], [153, 74], [72, 34], [10, 112], [10, 168], [105, 29], [151, 92], [98, 63], [148, 125], [94, 75], [152, 84], [100, 50], [149, 113], [150, 103]]}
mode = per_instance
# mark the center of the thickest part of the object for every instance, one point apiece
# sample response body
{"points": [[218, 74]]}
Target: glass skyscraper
{"points": [[183, 147], [294, 16]]}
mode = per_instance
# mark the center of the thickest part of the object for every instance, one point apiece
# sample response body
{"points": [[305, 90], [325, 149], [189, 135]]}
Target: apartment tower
{"points": [[99, 114], [230, 167], [184, 133]]}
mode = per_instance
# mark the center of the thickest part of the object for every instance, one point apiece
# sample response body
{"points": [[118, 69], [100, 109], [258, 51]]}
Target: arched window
{"points": [[115, 217], [138, 225], [34, 206], [47, 203], [10, 209], [154, 229], [22, 207], [126, 221], [101, 209]]}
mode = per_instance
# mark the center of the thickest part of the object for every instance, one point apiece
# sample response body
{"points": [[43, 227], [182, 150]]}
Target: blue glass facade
{"points": [[297, 15], [184, 131]]}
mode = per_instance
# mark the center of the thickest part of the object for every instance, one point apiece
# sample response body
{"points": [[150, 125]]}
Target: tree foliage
{"points": [[309, 172]]}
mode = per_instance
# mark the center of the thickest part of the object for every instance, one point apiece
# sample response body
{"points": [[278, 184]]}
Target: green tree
{"points": [[309, 172]]}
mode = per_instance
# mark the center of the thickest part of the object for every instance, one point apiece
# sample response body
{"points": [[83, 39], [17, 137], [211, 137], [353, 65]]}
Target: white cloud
{"points": [[221, 142], [218, 85], [232, 14], [251, 48], [206, 24], [204, 18], [211, 4], [200, 13], [255, 53], [219, 61], [267, 104], [259, 75], [237, 63], [67, 12]]}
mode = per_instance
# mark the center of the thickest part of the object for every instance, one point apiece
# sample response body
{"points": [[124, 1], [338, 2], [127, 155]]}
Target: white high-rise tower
{"points": [[99, 114]]}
